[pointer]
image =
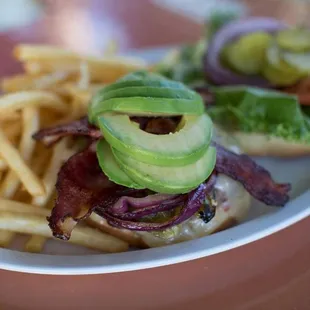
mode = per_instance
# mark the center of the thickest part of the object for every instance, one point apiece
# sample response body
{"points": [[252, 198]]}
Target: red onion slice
{"points": [[150, 210], [125, 202], [191, 206], [212, 64]]}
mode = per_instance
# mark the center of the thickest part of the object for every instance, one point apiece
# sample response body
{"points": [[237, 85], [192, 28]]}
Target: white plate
{"points": [[261, 222]]}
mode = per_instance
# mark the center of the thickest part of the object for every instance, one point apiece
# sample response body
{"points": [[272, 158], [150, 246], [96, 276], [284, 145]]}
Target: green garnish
{"points": [[256, 110], [218, 19], [147, 94], [170, 163], [185, 64]]}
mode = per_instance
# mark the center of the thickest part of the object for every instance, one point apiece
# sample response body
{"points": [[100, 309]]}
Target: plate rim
{"points": [[296, 210]]}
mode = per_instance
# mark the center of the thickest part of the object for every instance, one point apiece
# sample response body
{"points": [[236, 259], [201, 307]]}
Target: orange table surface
{"points": [[270, 274]]}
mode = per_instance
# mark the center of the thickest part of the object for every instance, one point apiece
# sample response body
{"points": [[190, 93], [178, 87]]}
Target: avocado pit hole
{"points": [[157, 125]]}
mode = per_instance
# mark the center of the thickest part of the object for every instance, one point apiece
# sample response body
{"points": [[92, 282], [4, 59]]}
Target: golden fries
{"points": [[11, 116], [36, 225], [40, 59], [14, 160], [36, 243], [8, 205], [56, 87], [26, 147], [26, 82], [11, 181], [15, 101]]}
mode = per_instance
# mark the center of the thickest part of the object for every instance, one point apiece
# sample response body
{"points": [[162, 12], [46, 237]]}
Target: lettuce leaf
{"points": [[218, 19], [251, 109], [186, 65]]}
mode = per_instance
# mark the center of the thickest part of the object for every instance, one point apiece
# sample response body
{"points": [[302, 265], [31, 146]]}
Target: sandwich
{"points": [[152, 168], [256, 84]]}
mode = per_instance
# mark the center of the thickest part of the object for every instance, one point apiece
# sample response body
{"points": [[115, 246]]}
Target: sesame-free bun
{"points": [[233, 205], [129, 236], [262, 145]]}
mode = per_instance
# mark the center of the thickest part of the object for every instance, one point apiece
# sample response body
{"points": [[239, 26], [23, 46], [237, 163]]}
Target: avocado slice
{"points": [[168, 180], [110, 167], [146, 95], [176, 149]]}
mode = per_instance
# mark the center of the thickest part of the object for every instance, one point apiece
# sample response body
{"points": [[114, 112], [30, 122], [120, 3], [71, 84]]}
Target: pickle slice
{"points": [[280, 78], [301, 61], [247, 55], [295, 40], [277, 71]]}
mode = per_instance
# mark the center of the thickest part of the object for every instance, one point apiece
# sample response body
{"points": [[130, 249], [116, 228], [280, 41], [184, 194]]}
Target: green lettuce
{"points": [[251, 109], [186, 65], [218, 19]]}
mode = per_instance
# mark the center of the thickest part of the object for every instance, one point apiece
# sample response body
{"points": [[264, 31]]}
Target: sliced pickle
{"points": [[295, 40], [277, 71], [300, 61], [247, 55]]}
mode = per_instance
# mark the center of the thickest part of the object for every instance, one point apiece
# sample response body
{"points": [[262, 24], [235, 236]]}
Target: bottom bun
{"points": [[233, 203], [129, 236], [262, 145]]}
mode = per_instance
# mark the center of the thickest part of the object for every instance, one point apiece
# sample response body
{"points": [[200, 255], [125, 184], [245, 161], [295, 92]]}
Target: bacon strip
{"points": [[81, 127], [78, 181], [255, 179], [81, 186]]}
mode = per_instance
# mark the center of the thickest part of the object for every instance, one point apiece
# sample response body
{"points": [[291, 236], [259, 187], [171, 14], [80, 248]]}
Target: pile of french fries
{"points": [[56, 87]]}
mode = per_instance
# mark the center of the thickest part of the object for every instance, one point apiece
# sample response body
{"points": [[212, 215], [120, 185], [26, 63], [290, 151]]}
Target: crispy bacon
{"points": [[79, 180], [256, 179], [81, 186], [80, 127]]}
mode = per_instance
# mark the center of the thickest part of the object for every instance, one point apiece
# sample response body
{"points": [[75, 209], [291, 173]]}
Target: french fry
{"points": [[11, 181], [26, 148], [5, 238], [85, 236], [9, 205], [36, 243], [39, 160], [14, 160], [57, 87], [12, 130], [84, 79], [40, 59], [27, 82], [3, 164], [83, 96], [15, 101], [11, 116], [50, 175]]}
